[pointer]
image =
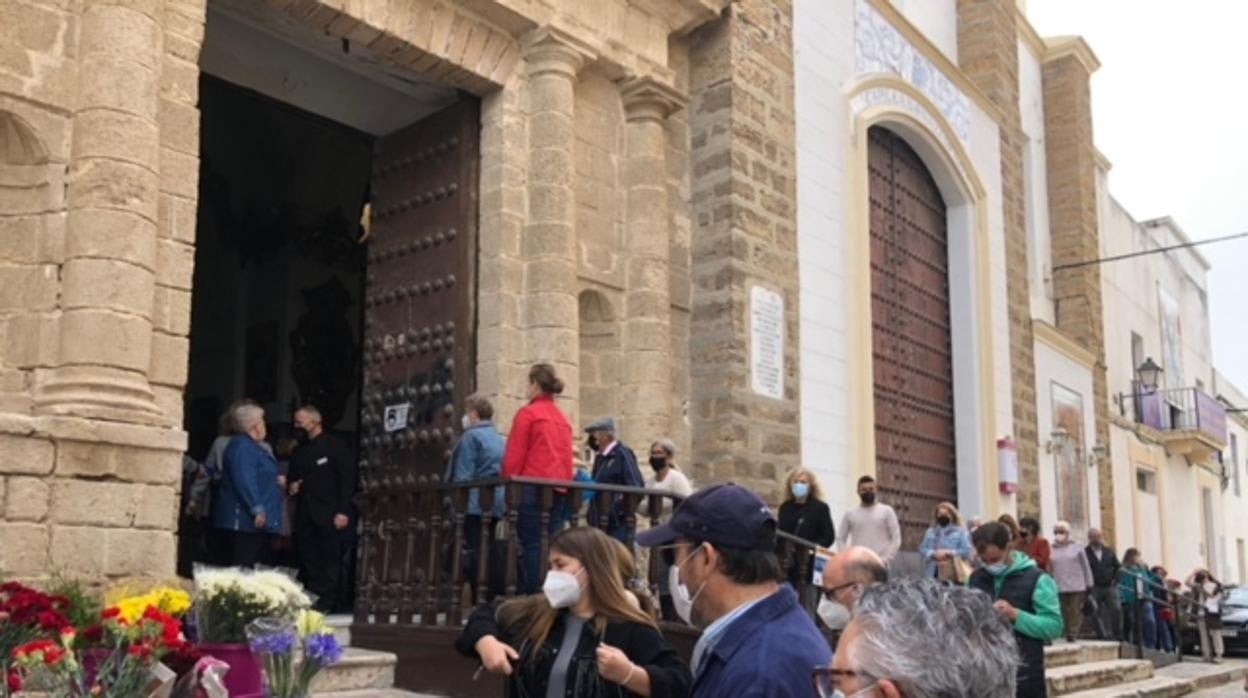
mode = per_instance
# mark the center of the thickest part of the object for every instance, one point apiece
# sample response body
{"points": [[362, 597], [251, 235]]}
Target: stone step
{"points": [[1156, 687], [1203, 675], [1083, 677], [1067, 654], [341, 624], [359, 670]]}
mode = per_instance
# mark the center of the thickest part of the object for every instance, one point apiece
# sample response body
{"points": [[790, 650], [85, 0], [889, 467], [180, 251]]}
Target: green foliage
{"points": [[84, 605]]}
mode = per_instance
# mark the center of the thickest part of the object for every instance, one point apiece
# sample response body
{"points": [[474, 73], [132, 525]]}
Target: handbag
{"points": [[955, 570]]}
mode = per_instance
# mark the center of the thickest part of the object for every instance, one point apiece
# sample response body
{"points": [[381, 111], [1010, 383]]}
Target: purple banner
{"points": [[1151, 409], [1211, 417]]}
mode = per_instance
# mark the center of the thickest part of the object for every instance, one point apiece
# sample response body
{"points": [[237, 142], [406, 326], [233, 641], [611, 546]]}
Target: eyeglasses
{"points": [[824, 680], [830, 594]]}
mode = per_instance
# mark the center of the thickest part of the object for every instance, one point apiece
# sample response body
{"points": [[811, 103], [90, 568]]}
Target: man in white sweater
{"points": [[871, 525]]}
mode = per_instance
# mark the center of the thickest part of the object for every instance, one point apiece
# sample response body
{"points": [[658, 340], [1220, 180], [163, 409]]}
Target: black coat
{"points": [[326, 473], [811, 520], [644, 645], [1105, 570]]}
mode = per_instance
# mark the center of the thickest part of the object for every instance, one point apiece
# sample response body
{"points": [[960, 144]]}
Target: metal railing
{"points": [[412, 566], [1184, 608], [1175, 409]]}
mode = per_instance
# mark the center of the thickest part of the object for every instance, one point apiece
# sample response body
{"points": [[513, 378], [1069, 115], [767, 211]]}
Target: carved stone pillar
{"points": [[549, 247], [646, 395], [110, 251]]}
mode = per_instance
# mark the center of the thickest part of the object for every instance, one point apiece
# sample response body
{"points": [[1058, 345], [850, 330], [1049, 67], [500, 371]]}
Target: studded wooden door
{"points": [[911, 344], [418, 347]]}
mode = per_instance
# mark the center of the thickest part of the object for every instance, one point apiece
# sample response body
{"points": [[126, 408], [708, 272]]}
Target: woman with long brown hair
{"points": [[581, 637]]}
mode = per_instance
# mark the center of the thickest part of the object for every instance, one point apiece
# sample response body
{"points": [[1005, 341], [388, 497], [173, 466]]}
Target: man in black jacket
{"points": [[322, 478], [1105, 566], [614, 464]]}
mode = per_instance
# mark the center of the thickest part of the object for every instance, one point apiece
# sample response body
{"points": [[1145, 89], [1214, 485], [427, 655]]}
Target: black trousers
{"points": [[246, 548], [319, 561]]}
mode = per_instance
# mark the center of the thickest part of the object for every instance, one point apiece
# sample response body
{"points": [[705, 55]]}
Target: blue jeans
{"points": [[529, 535]]}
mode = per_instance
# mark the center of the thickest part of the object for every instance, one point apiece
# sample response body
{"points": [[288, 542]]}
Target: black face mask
{"points": [[658, 463], [301, 435], [592, 443], [943, 520], [867, 498]]}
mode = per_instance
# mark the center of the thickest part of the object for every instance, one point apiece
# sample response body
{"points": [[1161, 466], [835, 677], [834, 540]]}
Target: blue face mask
{"points": [[997, 569], [800, 490]]}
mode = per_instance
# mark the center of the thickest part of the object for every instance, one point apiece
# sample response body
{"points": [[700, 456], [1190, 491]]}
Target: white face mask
{"points": [[838, 693], [833, 614], [681, 600], [561, 589], [466, 422]]}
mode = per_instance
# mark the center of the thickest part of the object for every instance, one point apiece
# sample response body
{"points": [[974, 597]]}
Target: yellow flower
{"points": [[310, 623], [169, 600]]}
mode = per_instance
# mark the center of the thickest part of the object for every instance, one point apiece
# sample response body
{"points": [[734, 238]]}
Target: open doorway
{"points": [[302, 297]]}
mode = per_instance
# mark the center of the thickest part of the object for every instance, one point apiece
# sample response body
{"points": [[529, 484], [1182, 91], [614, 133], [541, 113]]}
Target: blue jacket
{"points": [[766, 653], [952, 537], [478, 456], [248, 487]]}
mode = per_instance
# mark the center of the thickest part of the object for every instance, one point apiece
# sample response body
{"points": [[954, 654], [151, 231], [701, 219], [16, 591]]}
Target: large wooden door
{"points": [[418, 347], [913, 358]]}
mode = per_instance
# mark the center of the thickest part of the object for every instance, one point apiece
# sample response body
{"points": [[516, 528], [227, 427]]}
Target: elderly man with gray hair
{"points": [[920, 638]]}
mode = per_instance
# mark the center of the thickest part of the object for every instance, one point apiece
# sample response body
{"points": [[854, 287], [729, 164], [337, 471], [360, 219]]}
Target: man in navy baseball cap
{"points": [[726, 580]]}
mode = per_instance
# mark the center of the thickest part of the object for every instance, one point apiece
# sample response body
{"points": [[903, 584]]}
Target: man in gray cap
{"points": [[614, 464]]}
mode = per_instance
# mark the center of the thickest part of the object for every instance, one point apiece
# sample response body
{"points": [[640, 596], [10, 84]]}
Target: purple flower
{"points": [[275, 643], [322, 649]]}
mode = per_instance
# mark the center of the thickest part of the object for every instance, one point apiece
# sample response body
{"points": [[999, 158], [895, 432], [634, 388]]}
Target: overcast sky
{"points": [[1170, 111]]}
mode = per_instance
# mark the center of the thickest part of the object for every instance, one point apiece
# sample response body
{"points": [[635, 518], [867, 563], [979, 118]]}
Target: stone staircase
{"points": [[361, 673], [1080, 670], [1094, 670]]}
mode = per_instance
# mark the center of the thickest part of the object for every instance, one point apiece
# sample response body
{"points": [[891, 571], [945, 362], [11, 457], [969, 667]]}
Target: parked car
{"points": [[1234, 624]]}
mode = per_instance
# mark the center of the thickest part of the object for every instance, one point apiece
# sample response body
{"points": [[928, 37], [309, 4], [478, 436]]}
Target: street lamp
{"points": [[1148, 373]]}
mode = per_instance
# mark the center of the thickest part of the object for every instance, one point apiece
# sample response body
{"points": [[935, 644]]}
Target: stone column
{"points": [[646, 391], [110, 251], [549, 247]]}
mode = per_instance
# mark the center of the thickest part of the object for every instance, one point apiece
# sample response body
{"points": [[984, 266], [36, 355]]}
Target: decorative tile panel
{"points": [[879, 48]]}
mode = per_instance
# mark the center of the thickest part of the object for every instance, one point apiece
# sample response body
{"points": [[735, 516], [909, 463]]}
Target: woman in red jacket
{"points": [[538, 445]]}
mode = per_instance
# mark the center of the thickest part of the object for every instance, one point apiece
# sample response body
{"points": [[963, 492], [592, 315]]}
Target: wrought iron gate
{"points": [[419, 348], [911, 344]]}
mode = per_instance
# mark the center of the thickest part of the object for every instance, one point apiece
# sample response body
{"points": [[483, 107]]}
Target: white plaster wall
{"points": [[825, 71], [824, 61], [1235, 505], [936, 19], [1130, 296], [1053, 366], [1035, 182]]}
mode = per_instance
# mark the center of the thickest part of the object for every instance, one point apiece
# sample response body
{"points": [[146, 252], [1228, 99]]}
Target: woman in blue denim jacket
{"points": [[945, 540], [249, 499]]}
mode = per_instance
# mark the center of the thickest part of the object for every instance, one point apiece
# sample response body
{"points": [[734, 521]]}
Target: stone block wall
{"points": [[1071, 160], [988, 54], [744, 234]]}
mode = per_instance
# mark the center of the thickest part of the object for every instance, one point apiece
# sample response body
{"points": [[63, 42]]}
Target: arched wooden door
{"points": [[911, 337]]}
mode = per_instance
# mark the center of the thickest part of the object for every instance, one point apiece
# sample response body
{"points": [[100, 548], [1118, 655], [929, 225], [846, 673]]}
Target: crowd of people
{"points": [[990, 597]]}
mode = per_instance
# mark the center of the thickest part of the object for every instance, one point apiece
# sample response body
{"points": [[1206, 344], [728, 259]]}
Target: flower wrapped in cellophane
{"points": [[276, 641]]}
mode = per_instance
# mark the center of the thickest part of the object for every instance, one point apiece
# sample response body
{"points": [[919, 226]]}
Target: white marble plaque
{"points": [[767, 342]]}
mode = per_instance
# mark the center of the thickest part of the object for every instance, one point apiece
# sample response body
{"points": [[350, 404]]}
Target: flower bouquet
{"points": [[275, 639], [26, 615], [226, 601], [129, 667]]}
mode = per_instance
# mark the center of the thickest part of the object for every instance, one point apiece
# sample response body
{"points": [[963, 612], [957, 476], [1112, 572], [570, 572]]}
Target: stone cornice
{"points": [[1060, 342], [1075, 46], [683, 16], [550, 49], [649, 99]]}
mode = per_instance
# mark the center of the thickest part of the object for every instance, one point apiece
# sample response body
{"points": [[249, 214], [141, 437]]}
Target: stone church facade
{"points": [[639, 184]]}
